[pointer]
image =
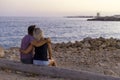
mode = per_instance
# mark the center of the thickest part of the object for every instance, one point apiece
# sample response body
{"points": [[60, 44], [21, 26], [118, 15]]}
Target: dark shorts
{"points": [[27, 61]]}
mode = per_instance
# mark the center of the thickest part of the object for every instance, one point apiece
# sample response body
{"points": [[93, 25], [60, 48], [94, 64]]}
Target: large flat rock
{"points": [[53, 71]]}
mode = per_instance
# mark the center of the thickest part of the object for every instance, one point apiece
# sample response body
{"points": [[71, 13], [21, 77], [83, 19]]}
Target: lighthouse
{"points": [[98, 15]]}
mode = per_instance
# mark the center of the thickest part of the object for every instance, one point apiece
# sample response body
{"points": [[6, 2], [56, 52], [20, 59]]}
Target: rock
{"points": [[87, 39], [110, 72], [2, 54], [86, 45], [118, 45], [88, 54]]}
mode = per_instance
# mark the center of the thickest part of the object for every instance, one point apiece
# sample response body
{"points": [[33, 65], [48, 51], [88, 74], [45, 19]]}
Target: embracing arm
{"points": [[29, 49], [36, 44], [40, 43]]}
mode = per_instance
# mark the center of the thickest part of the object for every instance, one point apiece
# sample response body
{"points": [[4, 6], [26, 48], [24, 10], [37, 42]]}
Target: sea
{"points": [[59, 29]]}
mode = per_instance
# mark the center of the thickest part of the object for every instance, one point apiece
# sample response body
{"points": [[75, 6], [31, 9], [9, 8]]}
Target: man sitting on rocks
{"points": [[26, 41]]}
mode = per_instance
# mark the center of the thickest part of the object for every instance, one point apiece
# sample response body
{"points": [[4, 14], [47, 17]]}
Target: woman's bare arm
{"points": [[50, 50]]}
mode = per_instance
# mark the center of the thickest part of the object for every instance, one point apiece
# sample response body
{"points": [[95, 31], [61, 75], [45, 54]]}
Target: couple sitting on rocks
{"points": [[35, 49]]}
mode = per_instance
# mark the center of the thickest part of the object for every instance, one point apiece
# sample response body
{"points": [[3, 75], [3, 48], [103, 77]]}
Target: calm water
{"points": [[12, 29]]}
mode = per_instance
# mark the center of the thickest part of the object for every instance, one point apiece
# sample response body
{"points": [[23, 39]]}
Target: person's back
{"points": [[26, 41], [41, 52], [26, 58]]}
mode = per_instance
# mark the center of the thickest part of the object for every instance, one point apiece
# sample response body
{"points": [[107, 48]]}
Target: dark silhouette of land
{"points": [[106, 18], [79, 16]]}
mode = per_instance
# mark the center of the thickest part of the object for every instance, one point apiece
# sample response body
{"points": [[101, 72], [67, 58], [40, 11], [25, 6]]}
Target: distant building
{"points": [[98, 15]]}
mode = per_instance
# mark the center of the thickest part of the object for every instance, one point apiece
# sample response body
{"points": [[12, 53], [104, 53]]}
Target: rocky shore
{"points": [[98, 55]]}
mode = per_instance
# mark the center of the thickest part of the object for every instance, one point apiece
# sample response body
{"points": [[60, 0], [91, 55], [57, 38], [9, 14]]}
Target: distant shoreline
{"points": [[111, 18], [79, 16]]}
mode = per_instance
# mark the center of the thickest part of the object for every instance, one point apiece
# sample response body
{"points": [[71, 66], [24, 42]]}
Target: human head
{"points": [[31, 29], [38, 34]]}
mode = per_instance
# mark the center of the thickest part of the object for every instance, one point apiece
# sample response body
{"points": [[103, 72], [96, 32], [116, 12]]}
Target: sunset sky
{"points": [[58, 7]]}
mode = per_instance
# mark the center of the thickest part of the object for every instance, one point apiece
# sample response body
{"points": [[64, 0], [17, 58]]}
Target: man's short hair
{"points": [[31, 29]]}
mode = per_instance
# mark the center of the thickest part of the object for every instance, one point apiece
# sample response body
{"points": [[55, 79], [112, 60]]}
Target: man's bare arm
{"points": [[28, 50], [40, 43]]}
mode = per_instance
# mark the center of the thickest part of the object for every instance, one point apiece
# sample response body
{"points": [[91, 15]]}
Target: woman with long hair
{"points": [[43, 54]]}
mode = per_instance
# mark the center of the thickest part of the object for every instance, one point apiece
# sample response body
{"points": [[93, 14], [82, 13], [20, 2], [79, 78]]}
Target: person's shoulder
{"points": [[33, 42], [46, 38], [30, 37], [26, 36]]}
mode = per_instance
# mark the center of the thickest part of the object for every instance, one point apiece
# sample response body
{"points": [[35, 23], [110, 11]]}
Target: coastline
{"points": [[98, 55]]}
